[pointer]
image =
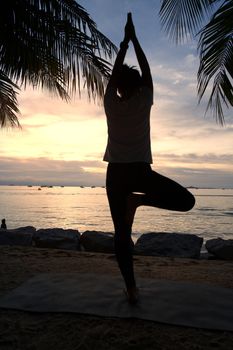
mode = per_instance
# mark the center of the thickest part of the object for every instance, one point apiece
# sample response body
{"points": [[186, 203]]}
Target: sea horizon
{"points": [[103, 186]]}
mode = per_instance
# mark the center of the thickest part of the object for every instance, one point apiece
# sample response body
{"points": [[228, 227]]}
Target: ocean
{"points": [[87, 209]]}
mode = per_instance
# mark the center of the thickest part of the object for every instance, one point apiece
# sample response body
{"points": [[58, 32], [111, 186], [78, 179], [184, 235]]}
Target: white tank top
{"points": [[128, 127]]}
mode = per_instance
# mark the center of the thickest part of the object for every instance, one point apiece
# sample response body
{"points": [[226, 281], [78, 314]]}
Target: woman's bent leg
{"points": [[164, 193]]}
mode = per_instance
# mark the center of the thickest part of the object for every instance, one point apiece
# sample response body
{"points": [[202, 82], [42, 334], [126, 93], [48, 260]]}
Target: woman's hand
{"points": [[129, 28]]}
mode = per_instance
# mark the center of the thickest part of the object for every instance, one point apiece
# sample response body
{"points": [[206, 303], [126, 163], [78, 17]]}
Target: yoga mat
{"points": [[172, 302]]}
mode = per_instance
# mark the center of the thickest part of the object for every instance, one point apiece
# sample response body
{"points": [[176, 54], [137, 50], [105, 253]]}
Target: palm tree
{"points": [[180, 18], [53, 45]]}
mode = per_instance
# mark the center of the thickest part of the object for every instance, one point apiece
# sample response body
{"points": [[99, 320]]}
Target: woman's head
{"points": [[128, 80]]}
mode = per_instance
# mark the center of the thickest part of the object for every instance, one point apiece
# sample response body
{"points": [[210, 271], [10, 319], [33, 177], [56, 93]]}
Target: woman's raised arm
{"points": [[141, 57]]}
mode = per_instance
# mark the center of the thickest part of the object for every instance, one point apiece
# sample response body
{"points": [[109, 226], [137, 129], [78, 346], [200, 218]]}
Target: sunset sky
{"points": [[63, 143]]}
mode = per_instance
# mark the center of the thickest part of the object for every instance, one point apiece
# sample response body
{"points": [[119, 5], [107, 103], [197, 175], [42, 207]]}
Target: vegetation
{"points": [[182, 18], [53, 45]]}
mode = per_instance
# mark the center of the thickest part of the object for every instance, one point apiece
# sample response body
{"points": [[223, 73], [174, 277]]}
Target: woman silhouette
{"points": [[130, 181]]}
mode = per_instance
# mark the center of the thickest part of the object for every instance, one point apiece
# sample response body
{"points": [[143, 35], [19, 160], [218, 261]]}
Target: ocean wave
{"points": [[207, 209], [228, 213], [213, 195]]}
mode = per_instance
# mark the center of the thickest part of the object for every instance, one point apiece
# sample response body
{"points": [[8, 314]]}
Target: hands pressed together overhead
{"points": [[130, 35], [129, 28], [129, 31]]}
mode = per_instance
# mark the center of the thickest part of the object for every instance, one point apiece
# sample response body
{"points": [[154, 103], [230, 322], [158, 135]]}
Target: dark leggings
{"points": [[159, 191]]}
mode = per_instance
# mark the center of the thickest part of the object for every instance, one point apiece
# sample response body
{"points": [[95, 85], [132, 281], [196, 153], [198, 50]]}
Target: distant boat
{"points": [[29, 185]]}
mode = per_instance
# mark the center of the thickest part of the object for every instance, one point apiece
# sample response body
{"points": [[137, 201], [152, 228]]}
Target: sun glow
{"points": [[67, 131]]}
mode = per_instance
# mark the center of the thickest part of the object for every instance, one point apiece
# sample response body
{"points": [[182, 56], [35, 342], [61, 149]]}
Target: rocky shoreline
{"points": [[158, 244]]}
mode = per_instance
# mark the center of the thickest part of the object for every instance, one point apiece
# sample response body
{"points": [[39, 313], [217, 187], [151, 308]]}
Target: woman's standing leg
{"points": [[122, 237], [117, 197]]}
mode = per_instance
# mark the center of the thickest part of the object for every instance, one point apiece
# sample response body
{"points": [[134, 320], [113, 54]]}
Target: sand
{"points": [[22, 330]]}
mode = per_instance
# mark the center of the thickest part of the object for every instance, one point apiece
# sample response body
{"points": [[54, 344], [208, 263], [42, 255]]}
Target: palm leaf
{"points": [[216, 53], [182, 18], [8, 102], [53, 44]]}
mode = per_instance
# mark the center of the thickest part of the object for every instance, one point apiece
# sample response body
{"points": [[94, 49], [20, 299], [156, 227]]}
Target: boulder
{"points": [[20, 236], [57, 238], [220, 248], [179, 245], [97, 241]]}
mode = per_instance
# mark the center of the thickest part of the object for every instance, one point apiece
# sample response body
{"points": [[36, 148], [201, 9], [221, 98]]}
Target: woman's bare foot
{"points": [[132, 295], [134, 200]]}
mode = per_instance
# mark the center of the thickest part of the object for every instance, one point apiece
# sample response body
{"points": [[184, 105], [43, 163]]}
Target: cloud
{"points": [[39, 109], [65, 139], [171, 74], [44, 171], [197, 170], [188, 169], [163, 90], [206, 158], [191, 60]]}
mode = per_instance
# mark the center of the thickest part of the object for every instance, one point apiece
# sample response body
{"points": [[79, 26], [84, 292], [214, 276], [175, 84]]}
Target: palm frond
{"points": [[182, 18], [93, 72], [81, 51], [216, 60], [47, 43], [8, 102]]}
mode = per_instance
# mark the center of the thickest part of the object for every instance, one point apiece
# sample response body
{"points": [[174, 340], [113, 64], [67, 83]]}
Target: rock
{"points": [[20, 236], [179, 245], [220, 248], [97, 241], [57, 238]]}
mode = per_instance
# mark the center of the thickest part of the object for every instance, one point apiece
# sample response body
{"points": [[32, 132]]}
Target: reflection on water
{"points": [[87, 209]]}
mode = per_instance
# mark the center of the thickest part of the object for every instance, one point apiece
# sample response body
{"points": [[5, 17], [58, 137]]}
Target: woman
{"points": [[130, 180]]}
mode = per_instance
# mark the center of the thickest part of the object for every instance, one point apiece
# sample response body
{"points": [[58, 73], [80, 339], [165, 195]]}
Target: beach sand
{"points": [[22, 330]]}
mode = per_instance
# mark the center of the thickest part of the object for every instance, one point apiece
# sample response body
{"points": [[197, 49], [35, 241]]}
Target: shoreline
{"points": [[23, 330], [58, 238]]}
